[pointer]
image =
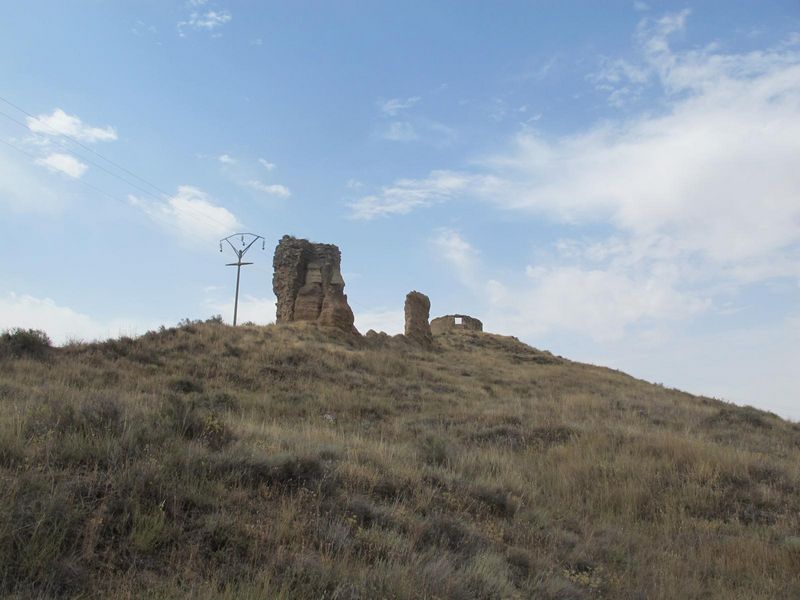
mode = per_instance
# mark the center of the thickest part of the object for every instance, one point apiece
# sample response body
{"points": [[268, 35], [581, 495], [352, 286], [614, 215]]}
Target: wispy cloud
{"points": [[63, 163], [462, 256], [405, 195], [395, 106], [141, 28], [269, 166], [190, 214], [354, 184], [226, 159], [60, 123], [273, 189], [207, 21], [397, 126]]}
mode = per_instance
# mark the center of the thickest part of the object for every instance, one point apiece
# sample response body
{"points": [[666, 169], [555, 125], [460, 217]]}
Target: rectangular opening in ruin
{"points": [[458, 320]]}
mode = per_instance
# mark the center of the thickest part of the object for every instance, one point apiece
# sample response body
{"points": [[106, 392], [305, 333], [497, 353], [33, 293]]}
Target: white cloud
{"points": [[226, 159], [715, 172], [405, 195], [190, 214], [62, 323], [453, 248], [394, 106], [418, 130], [63, 163], [274, 189], [205, 21], [600, 303], [266, 164], [60, 123]]}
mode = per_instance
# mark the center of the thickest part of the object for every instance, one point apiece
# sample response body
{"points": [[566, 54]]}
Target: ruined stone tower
{"points": [[308, 283], [417, 311]]}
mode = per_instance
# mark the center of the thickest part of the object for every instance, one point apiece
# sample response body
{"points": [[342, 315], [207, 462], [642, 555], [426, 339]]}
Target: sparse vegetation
{"points": [[289, 462]]}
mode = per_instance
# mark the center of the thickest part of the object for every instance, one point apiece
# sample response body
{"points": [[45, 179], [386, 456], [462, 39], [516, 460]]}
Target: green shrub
{"points": [[24, 343]]}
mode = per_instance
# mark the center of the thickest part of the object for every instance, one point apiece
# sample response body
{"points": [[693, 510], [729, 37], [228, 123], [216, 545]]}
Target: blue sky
{"points": [[616, 182]]}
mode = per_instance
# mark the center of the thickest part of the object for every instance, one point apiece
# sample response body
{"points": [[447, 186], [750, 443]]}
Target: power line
{"points": [[166, 195], [110, 196], [81, 157], [87, 148], [81, 181]]}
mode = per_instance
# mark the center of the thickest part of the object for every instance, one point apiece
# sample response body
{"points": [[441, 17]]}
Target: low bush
{"points": [[24, 343]]}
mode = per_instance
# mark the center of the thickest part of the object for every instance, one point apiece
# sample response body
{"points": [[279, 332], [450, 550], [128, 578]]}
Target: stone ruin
{"points": [[417, 312], [448, 322], [308, 284]]}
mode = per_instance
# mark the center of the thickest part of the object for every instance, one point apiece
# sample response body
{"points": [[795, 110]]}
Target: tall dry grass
{"points": [[293, 462]]}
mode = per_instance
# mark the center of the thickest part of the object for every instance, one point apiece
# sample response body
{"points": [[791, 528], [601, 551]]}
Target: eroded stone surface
{"points": [[308, 283], [417, 311], [447, 322]]}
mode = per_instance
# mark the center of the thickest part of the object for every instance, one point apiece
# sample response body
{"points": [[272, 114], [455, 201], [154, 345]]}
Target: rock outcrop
{"points": [[417, 312], [446, 323], [308, 283]]}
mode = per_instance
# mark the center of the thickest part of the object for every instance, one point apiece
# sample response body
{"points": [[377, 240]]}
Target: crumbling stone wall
{"points": [[308, 284], [446, 323], [417, 312]]}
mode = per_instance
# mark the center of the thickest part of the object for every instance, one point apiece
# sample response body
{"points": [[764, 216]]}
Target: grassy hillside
{"points": [[291, 462]]}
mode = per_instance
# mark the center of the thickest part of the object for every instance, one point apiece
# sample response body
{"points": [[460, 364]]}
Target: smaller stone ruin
{"points": [[308, 284], [417, 311], [455, 322]]}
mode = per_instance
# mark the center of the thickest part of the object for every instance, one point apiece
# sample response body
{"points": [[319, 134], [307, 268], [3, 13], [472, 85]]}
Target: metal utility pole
{"points": [[247, 240]]}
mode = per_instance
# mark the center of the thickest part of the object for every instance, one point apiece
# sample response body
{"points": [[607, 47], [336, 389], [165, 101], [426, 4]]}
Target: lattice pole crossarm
{"points": [[247, 240]]}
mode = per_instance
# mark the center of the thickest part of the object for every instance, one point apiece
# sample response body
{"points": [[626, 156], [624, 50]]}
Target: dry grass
{"points": [[292, 462]]}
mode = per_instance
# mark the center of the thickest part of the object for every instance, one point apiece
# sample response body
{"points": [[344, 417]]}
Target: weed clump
{"points": [[436, 450], [194, 419]]}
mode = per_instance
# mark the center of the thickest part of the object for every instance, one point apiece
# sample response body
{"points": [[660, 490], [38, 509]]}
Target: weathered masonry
{"points": [[308, 283], [448, 322]]}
